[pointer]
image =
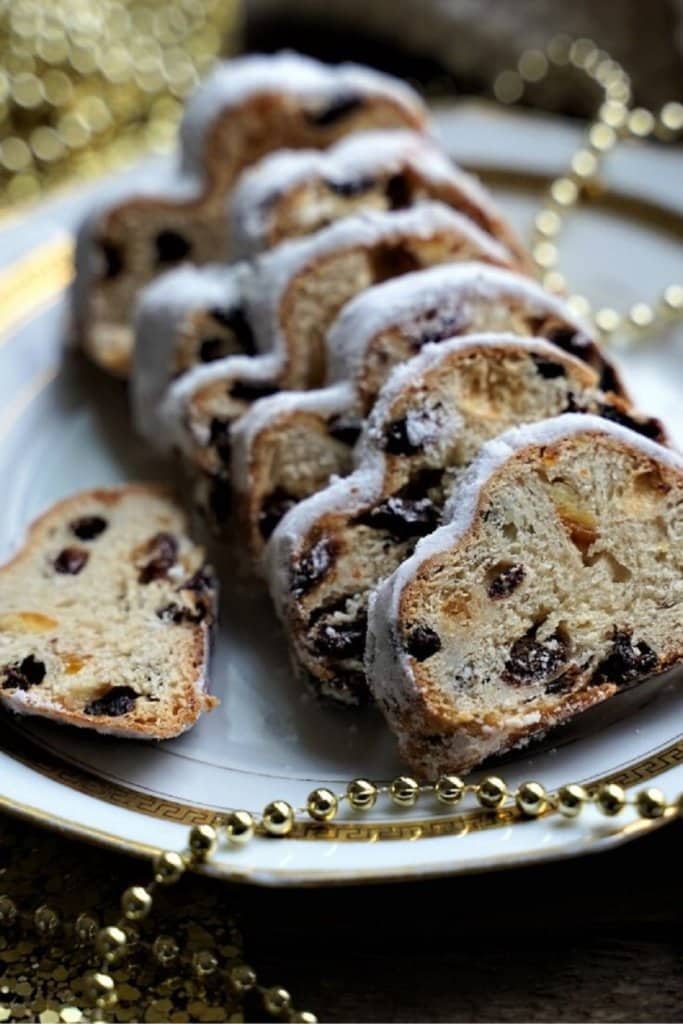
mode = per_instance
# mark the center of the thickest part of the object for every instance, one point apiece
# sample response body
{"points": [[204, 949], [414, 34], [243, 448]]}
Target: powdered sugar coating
{"points": [[394, 302], [362, 155], [309, 81], [162, 309], [388, 666]]}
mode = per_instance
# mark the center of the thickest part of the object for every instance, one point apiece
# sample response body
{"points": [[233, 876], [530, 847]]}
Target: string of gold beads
{"points": [[615, 121]]}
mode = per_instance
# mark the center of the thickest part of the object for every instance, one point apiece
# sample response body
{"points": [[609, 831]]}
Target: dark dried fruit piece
{"points": [[211, 349], [626, 662], [114, 703], [177, 614], [200, 581], [648, 427], [88, 527], [345, 430], [507, 580], [350, 187], [22, 675], [112, 254], [422, 642], [70, 561], [397, 440], [389, 261], [312, 566], [235, 320], [248, 391], [274, 506], [398, 192], [403, 518], [171, 247], [533, 661], [337, 108], [335, 637], [441, 330], [548, 368], [219, 437], [163, 551]]}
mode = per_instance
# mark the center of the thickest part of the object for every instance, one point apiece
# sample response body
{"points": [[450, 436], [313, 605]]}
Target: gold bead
{"points": [[86, 928], [204, 963], [46, 920], [641, 315], [8, 912], [491, 792], [618, 90], [531, 799], [558, 49], [239, 827], [607, 320], [581, 51], [110, 942], [548, 223], [533, 65], [165, 949], [303, 1017], [241, 978], [650, 803], [169, 868], [361, 794], [671, 116], [404, 791], [602, 137], [584, 164], [508, 87], [570, 800], [640, 122], [672, 298], [613, 114], [136, 903], [276, 1000], [322, 805], [554, 281], [564, 191], [278, 818], [203, 841], [579, 305], [449, 789], [545, 255], [101, 989], [610, 799]]}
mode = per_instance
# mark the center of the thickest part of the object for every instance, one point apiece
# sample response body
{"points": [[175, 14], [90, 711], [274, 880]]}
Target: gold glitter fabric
{"points": [[42, 972]]}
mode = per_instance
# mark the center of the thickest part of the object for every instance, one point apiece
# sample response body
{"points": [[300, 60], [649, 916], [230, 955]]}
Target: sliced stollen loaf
{"points": [[105, 615], [429, 422], [290, 297], [289, 445], [247, 107], [290, 193], [558, 582]]}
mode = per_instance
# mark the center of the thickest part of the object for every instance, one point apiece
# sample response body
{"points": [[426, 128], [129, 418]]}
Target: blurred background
{"points": [[87, 85]]}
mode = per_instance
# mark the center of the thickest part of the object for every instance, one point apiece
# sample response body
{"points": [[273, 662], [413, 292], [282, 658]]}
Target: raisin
{"points": [[569, 340], [565, 682], [114, 703], [389, 261], [312, 566], [531, 661], [235, 320], [505, 582], [337, 108], [423, 642], [200, 581], [397, 441], [70, 561], [220, 499], [22, 675], [608, 379], [626, 661], [398, 192], [274, 506], [219, 436], [348, 189], [112, 254], [248, 391], [402, 518], [345, 687], [171, 247], [572, 404], [345, 430], [548, 368], [88, 527], [176, 614], [649, 427], [210, 349], [340, 639], [163, 549]]}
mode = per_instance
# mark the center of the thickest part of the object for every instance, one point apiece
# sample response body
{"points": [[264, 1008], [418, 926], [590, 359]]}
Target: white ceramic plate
{"points": [[63, 427]]}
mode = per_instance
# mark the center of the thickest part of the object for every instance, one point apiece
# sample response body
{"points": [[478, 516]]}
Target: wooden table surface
{"points": [[597, 938]]}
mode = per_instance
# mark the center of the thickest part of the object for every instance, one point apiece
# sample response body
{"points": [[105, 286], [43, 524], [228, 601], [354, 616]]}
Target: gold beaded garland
{"points": [[449, 789], [239, 827], [322, 805], [241, 978], [204, 963], [203, 840], [101, 989], [276, 1000], [361, 794], [46, 920], [111, 942], [650, 803], [136, 903], [278, 818], [165, 949], [8, 912], [571, 799], [169, 868], [303, 1017], [610, 799], [532, 799], [491, 792], [404, 791]]}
